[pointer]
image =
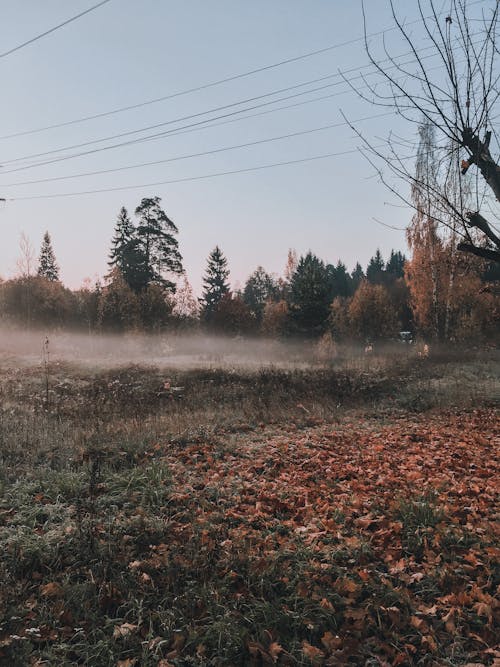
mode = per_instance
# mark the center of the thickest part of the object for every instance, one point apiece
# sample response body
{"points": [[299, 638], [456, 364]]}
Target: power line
{"points": [[210, 84], [173, 121], [212, 110], [231, 120], [192, 127], [196, 178], [200, 177], [178, 120], [259, 113], [195, 89], [201, 154], [51, 30], [187, 179], [209, 123], [160, 134]]}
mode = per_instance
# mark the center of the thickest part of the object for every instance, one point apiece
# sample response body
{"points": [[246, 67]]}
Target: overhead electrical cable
{"points": [[156, 135], [326, 77], [210, 124], [203, 86], [229, 121], [197, 178], [194, 155], [215, 109], [178, 120], [172, 121], [256, 115], [188, 178], [51, 30], [217, 82], [193, 127]]}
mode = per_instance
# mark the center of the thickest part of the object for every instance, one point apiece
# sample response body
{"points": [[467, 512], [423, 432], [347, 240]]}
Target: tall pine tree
{"points": [[47, 266], [159, 249], [215, 285]]}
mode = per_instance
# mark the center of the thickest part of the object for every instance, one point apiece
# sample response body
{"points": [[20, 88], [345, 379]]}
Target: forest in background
{"points": [[436, 294], [439, 293]]}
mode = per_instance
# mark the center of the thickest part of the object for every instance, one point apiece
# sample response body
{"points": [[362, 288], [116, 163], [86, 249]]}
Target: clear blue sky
{"points": [[129, 51]]}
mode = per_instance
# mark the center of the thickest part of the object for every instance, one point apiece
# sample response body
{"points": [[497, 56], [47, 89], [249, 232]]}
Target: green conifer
{"points": [[47, 265], [215, 285]]}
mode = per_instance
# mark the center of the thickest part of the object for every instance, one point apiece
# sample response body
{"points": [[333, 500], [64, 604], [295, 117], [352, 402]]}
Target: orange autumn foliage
{"points": [[447, 294]]}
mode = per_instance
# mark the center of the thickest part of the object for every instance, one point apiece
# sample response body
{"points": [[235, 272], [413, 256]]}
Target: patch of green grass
{"points": [[457, 538], [146, 486], [26, 551], [419, 517]]}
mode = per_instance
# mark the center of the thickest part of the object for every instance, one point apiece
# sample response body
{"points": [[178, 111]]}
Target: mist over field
{"points": [[174, 350], [189, 351]]}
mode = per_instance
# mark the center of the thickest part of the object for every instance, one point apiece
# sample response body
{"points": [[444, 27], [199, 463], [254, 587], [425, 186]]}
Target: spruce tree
{"points": [[158, 247], [310, 296], [395, 265], [215, 285], [375, 269], [343, 281], [125, 254], [357, 276], [47, 266]]}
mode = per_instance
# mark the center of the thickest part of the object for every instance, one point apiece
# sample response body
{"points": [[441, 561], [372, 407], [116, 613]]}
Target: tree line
{"points": [[435, 293]]}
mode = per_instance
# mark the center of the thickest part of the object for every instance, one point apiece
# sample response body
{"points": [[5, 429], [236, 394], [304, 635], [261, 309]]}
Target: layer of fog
{"points": [[179, 350]]}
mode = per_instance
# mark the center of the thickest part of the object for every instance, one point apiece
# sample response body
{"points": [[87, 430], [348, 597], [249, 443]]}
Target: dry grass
{"points": [[127, 537]]}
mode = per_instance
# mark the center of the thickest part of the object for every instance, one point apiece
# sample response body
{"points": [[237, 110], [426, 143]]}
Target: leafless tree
{"points": [[26, 266], [26, 261], [450, 82]]}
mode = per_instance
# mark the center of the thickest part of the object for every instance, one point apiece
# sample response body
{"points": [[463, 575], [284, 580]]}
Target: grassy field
{"points": [[218, 516]]}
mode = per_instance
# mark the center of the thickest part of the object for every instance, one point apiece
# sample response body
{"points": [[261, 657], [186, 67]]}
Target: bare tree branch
{"points": [[485, 253], [460, 99]]}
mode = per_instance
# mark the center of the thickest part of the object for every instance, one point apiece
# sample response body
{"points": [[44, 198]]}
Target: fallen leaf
{"points": [[312, 653], [418, 623], [135, 564], [52, 590], [123, 630], [274, 650], [428, 611], [429, 641], [331, 642]]}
